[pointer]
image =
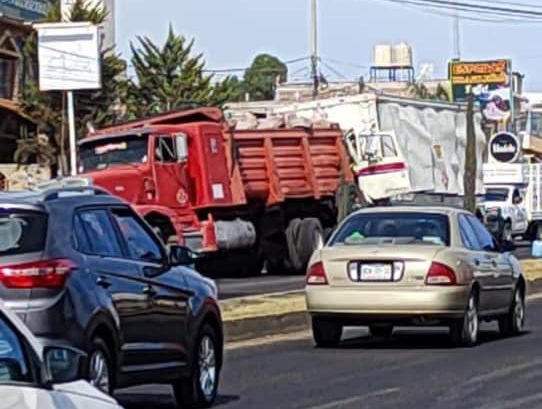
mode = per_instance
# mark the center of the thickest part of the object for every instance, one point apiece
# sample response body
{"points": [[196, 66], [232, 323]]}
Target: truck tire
{"points": [[310, 237], [292, 238]]}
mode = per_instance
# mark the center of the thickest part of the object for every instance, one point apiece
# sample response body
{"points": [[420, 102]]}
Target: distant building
{"points": [[26, 10]]}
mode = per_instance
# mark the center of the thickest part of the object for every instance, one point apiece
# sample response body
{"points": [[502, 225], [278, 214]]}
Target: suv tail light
{"points": [[317, 275], [37, 274], [440, 274]]}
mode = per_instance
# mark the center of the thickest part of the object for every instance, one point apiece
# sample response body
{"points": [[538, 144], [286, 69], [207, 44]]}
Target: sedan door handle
{"points": [[149, 290], [104, 282]]}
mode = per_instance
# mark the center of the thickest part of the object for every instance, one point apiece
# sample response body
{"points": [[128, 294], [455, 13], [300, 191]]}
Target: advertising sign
{"points": [[504, 147], [68, 56], [487, 75]]}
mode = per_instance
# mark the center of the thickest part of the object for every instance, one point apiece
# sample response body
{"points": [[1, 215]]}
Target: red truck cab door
{"points": [[170, 176]]}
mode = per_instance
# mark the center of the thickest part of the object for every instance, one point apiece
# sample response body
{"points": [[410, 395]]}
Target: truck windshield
{"points": [[100, 154], [496, 195]]}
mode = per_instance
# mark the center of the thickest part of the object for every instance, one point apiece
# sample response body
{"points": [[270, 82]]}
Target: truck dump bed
{"points": [[280, 164]]}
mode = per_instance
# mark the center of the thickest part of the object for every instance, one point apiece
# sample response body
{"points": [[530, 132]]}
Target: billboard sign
{"points": [[484, 76], [68, 56], [27, 10]]}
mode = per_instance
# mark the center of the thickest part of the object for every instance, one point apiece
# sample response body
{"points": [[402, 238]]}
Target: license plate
{"points": [[375, 272]]}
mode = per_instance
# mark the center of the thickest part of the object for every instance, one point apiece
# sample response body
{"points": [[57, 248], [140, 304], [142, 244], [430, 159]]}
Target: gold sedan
{"points": [[412, 266]]}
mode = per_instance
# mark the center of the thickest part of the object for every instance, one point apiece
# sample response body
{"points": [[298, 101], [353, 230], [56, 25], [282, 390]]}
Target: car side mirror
{"points": [[62, 364], [181, 256]]}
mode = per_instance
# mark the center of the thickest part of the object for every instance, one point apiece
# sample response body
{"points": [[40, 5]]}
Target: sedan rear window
{"points": [[394, 227], [22, 232]]}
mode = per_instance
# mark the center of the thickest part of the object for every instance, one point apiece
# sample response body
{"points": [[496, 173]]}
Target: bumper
{"points": [[422, 302]]}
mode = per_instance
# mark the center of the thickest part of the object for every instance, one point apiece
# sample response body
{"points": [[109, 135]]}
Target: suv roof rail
{"points": [[56, 193]]}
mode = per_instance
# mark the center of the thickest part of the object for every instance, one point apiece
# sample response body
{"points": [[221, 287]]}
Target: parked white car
{"points": [[509, 200], [33, 375]]}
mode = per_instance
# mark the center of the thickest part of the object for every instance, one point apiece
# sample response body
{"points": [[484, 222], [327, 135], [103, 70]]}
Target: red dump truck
{"points": [[238, 197]]}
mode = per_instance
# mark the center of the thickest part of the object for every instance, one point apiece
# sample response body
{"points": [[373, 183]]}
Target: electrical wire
{"points": [[477, 12]]}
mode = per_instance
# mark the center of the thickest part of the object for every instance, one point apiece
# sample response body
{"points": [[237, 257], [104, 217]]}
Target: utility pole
{"points": [[457, 36], [469, 176], [314, 49]]}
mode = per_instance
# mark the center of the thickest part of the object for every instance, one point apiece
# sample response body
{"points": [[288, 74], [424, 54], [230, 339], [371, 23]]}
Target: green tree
{"points": [[261, 77], [98, 107], [173, 76], [420, 91]]}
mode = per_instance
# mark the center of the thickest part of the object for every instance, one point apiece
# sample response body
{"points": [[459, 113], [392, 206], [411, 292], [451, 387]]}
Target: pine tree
{"points": [[173, 76]]}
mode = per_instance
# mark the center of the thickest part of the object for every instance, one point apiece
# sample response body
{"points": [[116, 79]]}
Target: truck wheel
{"points": [[292, 239], [310, 239]]}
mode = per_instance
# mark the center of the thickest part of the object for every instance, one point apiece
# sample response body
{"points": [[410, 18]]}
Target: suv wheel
{"points": [[512, 323], [99, 366], [465, 331], [326, 334], [200, 390]]}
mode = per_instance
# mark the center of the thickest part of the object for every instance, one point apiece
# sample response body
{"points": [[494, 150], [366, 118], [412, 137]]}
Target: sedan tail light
{"points": [[37, 274], [440, 274], [317, 275]]}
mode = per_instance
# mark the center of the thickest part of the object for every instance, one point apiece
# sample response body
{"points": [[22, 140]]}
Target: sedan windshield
{"points": [[394, 227], [101, 154]]}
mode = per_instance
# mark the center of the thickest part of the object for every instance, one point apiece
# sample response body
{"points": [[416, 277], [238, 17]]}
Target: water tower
{"points": [[392, 63]]}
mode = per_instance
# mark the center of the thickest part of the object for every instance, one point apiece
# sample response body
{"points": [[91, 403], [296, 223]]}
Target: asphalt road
{"points": [[415, 369], [239, 287]]}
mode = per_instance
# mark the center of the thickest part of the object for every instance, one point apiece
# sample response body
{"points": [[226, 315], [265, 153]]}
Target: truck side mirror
{"points": [[181, 144]]}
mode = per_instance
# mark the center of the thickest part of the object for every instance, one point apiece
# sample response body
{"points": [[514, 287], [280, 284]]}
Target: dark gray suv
{"points": [[80, 267]]}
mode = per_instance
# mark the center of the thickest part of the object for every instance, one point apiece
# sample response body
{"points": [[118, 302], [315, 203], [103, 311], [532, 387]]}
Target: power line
{"points": [[476, 9], [466, 15], [227, 70], [330, 68]]}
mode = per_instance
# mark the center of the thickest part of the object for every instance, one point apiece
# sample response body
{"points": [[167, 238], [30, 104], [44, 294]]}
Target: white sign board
{"points": [[68, 56]]}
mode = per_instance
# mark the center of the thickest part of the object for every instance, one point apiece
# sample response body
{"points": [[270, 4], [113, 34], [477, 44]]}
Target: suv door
{"points": [[479, 262], [166, 327], [501, 277], [118, 279]]}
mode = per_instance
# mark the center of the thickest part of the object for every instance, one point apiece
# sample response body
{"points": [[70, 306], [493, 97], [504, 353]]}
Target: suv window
{"points": [[165, 149], [141, 245], [468, 236], [13, 364], [96, 234], [485, 239], [22, 232]]}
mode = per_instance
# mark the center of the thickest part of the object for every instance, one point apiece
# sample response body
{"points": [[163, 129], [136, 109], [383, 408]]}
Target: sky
{"points": [[230, 33]]}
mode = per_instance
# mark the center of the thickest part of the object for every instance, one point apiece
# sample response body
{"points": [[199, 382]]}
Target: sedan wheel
{"points": [[513, 322], [465, 331], [382, 331], [326, 333]]}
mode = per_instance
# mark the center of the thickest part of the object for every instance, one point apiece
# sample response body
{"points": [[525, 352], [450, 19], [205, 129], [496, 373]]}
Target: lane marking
{"points": [[356, 399]]}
